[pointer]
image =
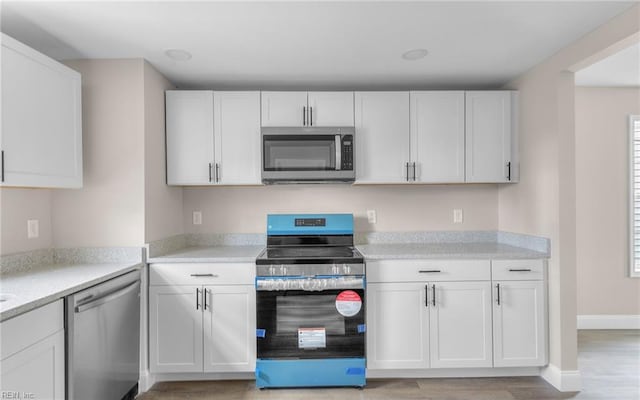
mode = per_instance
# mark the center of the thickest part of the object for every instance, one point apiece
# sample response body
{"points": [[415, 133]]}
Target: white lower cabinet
{"points": [[416, 324], [208, 327], [446, 314], [32, 360], [519, 313], [460, 320]]}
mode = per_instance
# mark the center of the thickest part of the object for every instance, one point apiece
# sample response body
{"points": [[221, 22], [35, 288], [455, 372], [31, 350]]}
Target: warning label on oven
{"points": [[312, 338], [348, 303]]}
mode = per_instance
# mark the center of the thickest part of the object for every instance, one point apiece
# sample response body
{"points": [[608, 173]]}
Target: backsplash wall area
{"points": [[398, 207]]}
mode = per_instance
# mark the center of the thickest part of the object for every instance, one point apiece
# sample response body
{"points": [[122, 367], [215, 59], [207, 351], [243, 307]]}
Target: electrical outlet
{"points": [[33, 228], [372, 217], [457, 215], [197, 217]]}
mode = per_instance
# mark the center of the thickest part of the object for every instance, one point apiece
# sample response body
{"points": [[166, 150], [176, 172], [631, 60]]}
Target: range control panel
{"points": [[310, 222]]}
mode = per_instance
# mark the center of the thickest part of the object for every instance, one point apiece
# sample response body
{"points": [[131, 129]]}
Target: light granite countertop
{"points": [[489, 250], [210, 254], [27, 290]]}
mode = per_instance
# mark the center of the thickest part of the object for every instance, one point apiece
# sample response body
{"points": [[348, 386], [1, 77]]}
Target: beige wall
{"points": [[543, 203], [163, 204], [109, 209], [399, 208], [16, 207], [602, 134]]}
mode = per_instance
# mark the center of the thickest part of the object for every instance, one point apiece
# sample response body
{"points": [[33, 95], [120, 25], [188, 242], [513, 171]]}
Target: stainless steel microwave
{"points": [[308, 155]]}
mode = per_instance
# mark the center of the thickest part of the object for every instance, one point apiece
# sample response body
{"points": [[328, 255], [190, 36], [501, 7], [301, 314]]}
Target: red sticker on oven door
{"points": [[348, 303]]}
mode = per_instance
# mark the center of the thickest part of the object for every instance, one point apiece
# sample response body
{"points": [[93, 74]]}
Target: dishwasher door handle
{"points": [[107, 298]]}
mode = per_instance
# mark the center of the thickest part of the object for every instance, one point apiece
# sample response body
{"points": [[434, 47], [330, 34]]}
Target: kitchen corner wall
{"points": [[398, 207], [162, 203], [602, 180], [544, 202]]}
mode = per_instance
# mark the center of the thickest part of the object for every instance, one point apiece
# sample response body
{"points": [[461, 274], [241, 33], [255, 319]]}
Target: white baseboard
{"points": [[146, 381], [608, 322], [564, 381]]}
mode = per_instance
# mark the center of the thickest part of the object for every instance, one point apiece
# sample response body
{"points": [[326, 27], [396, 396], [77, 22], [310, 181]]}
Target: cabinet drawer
{"points": [[428, 270], [517, 270], [202, 274], [19, 333]]}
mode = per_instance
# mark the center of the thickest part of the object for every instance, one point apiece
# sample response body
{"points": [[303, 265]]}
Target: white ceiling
{"points": [[621, 69], [304, 44]]}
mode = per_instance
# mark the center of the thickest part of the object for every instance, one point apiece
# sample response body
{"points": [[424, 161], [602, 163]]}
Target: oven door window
{"points": [[303, 324], [299, 153]]}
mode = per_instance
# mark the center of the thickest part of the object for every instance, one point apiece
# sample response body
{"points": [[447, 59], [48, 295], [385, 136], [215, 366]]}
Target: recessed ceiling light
{"points": [[414, 54], [178, 54]]}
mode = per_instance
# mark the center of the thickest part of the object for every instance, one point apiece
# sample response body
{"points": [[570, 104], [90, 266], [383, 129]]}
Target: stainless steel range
{"points": [[310, 303]]}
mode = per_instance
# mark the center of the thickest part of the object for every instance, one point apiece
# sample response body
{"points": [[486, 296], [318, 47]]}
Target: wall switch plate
{"points": [[372, 217], [33, 228], [197, 217], [457, 215]]}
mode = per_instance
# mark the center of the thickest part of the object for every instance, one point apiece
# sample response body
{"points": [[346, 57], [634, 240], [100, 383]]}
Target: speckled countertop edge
{"points": [[230, 254], [43, 285], [484, 251]]}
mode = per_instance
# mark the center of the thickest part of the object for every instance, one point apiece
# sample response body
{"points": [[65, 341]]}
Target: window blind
{"points": [[634, 191]]}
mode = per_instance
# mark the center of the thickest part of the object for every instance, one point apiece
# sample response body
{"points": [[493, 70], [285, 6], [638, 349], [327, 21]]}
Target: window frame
{"points": [[634, 271]]}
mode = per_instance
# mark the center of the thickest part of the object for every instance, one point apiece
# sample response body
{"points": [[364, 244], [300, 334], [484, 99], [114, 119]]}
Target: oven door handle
{"points": [[338, 152]]}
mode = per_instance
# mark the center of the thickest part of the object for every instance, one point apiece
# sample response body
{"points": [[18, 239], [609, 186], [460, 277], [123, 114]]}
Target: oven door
{"points": [[303, 323]]}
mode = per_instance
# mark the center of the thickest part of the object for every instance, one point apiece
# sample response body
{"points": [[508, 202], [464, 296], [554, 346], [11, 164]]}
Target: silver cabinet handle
{"points": [[205, 298], [414, 171], [310, 116], [204, 275], [519, 270], [210, 167], [304, 116], [498, 293], [406, 167], [108, 297], [509, 171], [217, 172], [197, 299], [338, 152], [433, 287], [2, 166], [428, 271]]}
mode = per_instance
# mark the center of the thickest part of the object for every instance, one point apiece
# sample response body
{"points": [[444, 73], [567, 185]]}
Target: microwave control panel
{"points": [[347, 152]]}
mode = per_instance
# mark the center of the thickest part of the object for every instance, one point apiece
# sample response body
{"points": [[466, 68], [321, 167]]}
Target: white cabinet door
{"points": [[382, 136], [488, 136], [397, 326], [237, 137], [460, 324], [330, 109], [175, 329], [230, 329], [519, 324], [189, 129], [437, 136], [284, 108], [38, 370], [41, 136]]}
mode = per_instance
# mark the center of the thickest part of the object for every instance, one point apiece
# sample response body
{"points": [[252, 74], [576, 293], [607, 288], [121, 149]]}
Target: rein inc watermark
{"points": [[7, 394]]}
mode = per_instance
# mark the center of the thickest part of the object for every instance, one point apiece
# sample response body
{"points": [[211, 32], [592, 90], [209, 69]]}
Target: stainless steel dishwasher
{"points": [[103, 340]]}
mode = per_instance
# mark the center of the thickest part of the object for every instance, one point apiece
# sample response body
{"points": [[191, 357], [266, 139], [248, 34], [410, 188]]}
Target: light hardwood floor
{"points": [[608, 360]]}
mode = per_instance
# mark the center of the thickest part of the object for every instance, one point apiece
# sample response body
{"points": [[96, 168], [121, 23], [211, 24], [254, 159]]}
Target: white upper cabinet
{"points": [[330, 108], [382, 136], [41, 136], [213, 137], [307, 109], [437, 136], [490, 127], [236, 119], [190, 144]]}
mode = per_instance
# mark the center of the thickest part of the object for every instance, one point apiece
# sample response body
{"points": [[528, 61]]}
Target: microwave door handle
{"points": [[338, 152]]}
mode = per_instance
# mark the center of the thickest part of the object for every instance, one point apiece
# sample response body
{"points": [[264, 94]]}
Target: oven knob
{"points": [[283, 270], [272, 270], [346, 269], [335, 270]]}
